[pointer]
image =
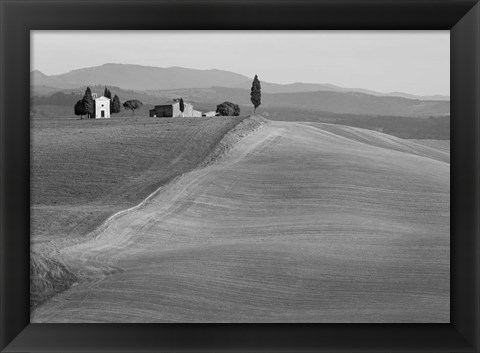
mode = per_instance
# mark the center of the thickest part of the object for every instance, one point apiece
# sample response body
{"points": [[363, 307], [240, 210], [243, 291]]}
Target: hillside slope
{"points": [[297, 223], [83, 171]]}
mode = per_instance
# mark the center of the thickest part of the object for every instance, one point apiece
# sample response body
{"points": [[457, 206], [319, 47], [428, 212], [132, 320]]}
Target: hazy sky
{"points": [[415, 62]]}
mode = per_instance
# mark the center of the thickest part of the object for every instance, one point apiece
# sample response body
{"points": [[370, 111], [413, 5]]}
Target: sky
{"points": [[416, 62]]}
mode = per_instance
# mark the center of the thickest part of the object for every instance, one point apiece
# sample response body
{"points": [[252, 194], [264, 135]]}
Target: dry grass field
{"points": [[298, 222], [86, 170], [83, 171], [443, 145]]}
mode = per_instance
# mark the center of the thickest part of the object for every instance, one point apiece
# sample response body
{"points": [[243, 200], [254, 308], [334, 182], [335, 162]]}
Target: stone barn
{"points": [[102, 107], [172, 110]]}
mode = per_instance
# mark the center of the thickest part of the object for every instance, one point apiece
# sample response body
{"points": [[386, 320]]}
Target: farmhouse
{"points": [[173, 110], [102, 107], [196, 113]]}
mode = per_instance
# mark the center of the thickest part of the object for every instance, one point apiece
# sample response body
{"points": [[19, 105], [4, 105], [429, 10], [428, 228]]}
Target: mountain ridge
{"points": [[140, 77]]}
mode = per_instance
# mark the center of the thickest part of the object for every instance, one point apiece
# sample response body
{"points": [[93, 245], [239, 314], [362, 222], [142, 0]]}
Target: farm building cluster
{"points": [[171, 110]]}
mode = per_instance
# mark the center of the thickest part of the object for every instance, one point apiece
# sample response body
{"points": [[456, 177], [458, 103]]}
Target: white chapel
{"points": [[102, 107]]}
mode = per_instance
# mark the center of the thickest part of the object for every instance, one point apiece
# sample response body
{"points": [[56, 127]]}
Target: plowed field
{"points": [[298, 222]]}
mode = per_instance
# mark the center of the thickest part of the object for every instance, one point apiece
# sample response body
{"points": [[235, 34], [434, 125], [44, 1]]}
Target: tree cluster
{"points": [[232, 109], [228, 109], [86, 105], [115, 105]]}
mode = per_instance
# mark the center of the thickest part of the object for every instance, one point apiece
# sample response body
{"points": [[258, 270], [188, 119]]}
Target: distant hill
{"points": [[68, 97], [140, 77], [57, 99], [143, 78], [38, 78], [319, 101], [397, 116]]}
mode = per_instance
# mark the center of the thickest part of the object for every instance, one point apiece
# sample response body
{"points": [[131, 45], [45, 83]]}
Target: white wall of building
{"points": [[196, 113], [187, 111], [102, 108]]}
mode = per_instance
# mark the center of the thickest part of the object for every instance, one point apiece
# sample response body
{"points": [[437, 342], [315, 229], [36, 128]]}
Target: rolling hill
{"points": [[299, 222]]}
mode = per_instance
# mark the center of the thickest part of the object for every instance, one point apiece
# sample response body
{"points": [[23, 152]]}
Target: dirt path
{"points": [[297, 223]]}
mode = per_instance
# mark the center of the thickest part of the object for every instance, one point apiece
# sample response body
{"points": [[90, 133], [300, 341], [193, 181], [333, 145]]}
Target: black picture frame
{"points": [[18, 17]]}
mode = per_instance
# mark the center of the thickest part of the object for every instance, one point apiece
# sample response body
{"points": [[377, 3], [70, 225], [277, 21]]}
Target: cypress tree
{"points": [[107, 93], [79, 109], [255, 94], [89, 103], [182, 105], [115, 105]]}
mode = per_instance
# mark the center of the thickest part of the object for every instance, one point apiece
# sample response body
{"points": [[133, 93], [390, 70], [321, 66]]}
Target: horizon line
{"points": [[281, 84]]}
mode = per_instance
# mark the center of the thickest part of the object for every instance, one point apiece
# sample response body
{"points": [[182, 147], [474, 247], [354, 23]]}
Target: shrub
{"points": [[228, 109]]}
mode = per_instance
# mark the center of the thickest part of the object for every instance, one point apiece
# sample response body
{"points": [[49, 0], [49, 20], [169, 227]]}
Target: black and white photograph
{"points": [[239, 176]]}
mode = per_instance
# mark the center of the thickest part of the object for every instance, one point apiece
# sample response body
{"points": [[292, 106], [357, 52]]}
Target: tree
{"points": [[79, 108], [182, 105], [132, 104], [228, 109], [115, 105], [107, 93], [89, 103], [255, 94]]}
